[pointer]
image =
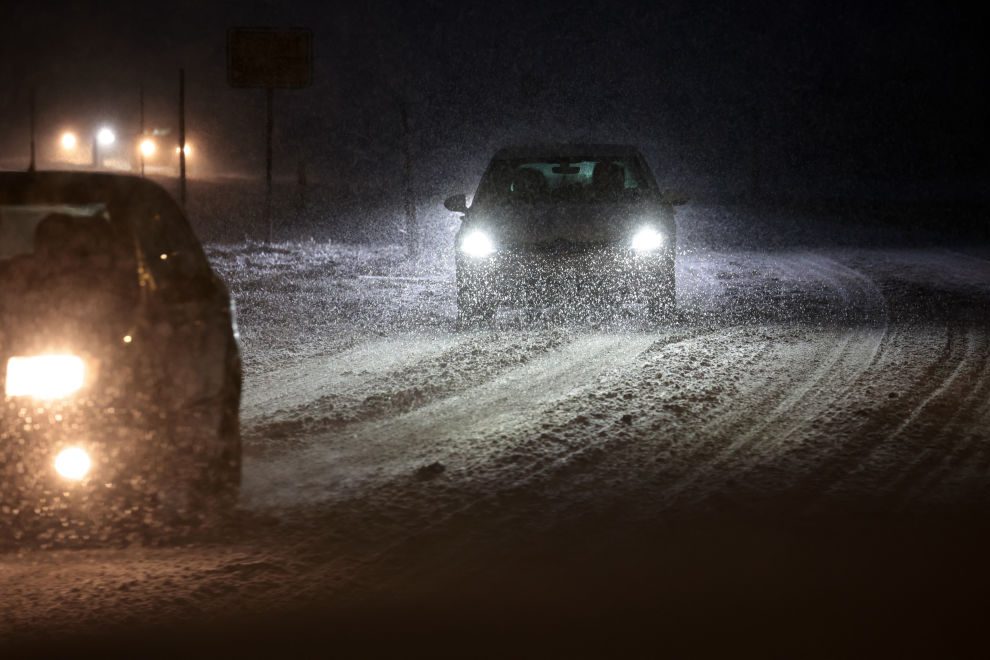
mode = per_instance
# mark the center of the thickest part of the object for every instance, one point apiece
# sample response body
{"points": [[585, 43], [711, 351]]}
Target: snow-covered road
{"points": [[777, 363], [388, 453]]}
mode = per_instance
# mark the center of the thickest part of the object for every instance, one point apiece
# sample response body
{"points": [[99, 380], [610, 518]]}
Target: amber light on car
{"points": [[73, 463], [45, 377]]}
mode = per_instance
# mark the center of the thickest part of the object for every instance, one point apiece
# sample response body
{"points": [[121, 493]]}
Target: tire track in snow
{"points": [[465, 361], [878, 453], [834, 371], [565, 430], [464, 497], [900, 443], [797, 446], [493, 492], [762, 401], [947, 422], [613, 454], [962, 440], [337, 466], [273, 391], [978, 466]]}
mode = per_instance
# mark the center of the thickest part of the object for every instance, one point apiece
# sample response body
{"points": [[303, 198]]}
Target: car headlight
{"points": [[477, 244], [45, 377], [73, 463], [647, 239]]}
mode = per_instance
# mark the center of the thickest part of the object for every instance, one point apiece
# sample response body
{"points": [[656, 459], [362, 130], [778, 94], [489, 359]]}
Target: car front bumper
{"points": [[134, 457], [533, 277]]}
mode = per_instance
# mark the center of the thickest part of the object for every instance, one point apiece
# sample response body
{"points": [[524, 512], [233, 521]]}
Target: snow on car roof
{"points": [[566, 151]]}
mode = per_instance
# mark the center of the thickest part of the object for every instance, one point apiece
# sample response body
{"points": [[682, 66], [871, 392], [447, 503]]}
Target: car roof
{"points": [[566, 150], [76, 188]]}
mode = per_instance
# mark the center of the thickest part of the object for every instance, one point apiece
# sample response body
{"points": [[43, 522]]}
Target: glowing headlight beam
{"points": [[647, 239], [45, 377], [73, 463], [477, 244]]}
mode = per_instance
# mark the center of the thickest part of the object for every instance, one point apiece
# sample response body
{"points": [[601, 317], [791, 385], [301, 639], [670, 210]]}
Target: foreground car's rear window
{"points": [[19, 224]]}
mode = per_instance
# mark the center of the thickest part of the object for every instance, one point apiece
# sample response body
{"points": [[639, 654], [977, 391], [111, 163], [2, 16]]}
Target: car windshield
{"points": [[576, 180], [29, 229], [69, 255]]}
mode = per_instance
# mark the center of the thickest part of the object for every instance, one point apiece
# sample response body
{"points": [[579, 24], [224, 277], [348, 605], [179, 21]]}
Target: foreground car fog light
{"points": [[73, 463], [45, 377], [477, 244], [647, 239]]}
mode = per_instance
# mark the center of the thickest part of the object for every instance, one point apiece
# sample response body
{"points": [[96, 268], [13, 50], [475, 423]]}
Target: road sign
{"points": [[269, 58]]}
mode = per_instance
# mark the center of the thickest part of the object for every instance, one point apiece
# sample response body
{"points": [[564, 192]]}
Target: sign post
{"points": [[182, 136], [141, 126], [269, 59], [34, 164], [269, 132]]}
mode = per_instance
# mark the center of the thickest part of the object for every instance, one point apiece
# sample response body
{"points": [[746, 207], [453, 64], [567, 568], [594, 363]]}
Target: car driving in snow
{"points": [[119, 362], [586, 225]]}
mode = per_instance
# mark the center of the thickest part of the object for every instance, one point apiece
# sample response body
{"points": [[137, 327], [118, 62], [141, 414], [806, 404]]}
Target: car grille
{"points": [[564, 248], [560, 259]]}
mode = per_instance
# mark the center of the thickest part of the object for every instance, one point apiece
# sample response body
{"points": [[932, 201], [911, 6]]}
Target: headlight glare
{"points": [[73, 463], [477, 244], [647, 239], [45, 377]]}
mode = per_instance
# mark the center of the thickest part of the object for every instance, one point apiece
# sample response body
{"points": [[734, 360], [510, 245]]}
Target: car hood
{"points": [[575, 223]]}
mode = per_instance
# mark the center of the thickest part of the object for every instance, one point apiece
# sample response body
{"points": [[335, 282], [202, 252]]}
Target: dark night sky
{"points": [[829, 92]]}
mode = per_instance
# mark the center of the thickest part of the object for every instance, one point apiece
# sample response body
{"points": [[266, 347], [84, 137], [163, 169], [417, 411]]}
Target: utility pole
{"points": [[33, 165], [412, 235], [269, 59], [302, 181], [141, 128], [182, 137], [269, 130], [756, 154]]}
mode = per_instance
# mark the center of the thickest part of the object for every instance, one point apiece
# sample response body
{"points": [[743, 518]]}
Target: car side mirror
{"points": [[675, 198], [456, 203]]}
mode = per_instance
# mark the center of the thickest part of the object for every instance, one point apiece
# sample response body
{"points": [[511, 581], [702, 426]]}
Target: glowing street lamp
{"points": [[106, 137], [68, 141], [187, 149], [148, 147]]}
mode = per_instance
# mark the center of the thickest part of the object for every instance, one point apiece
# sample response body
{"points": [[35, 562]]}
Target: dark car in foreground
{"points": [[119, 363], [585, 225]]}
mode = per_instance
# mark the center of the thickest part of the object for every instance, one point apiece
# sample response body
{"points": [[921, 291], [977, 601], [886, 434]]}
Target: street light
{"points": [[106, 137], [148, 147], [68, 141]]}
